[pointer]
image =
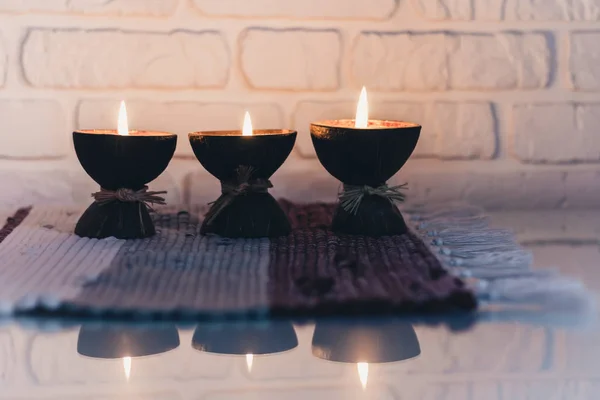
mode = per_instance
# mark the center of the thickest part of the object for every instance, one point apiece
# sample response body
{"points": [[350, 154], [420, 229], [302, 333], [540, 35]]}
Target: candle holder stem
{"points": [[374, 216], [370, 210], [246, 209], [123, 220]]}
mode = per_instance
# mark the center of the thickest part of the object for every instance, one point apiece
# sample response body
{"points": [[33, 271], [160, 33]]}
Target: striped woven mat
{"points": [[45, 267]]}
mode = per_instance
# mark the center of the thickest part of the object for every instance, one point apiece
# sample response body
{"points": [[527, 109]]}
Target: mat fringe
{"points": [[490, 260]]}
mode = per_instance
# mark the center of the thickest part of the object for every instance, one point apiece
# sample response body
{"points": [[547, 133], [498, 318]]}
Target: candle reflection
{"points": [[363, 373], [363, 341], [249, 361], [124, 342], [127, 367], [248, 339]]}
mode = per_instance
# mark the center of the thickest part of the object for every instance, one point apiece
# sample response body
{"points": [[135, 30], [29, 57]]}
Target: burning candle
{"points": [[244, 161], [364, 154], [249, 361], [127, 367], [363, 373], [122, 162]]}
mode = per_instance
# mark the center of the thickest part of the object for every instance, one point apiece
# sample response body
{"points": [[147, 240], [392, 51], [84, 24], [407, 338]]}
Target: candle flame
{"points": [[249, 361], [362, 110], [123, 126], [127, 367], [247, 130], [363, 373]]}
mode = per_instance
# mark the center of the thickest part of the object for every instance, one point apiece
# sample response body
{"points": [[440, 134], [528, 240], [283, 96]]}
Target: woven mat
{"points": [[44, 266]]}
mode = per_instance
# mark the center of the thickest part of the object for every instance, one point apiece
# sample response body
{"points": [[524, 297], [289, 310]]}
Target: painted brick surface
{"points": [[108, 59], [557, 133], [3, 61], [307, 9], [33, 129], [510, 10], [400, 61], [585, 61], [292, 59], [115, 7]]}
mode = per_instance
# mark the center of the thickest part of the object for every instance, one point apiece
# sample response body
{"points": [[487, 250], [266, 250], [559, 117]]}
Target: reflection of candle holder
{"points": [[112, 342], [248, 337], [365, 341], [122, 165], [364, 160], [244, 165]]}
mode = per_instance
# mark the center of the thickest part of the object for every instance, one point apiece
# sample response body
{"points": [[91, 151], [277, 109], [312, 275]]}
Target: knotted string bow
{"points": [[230, 190], [105, 196], [351, 196]]}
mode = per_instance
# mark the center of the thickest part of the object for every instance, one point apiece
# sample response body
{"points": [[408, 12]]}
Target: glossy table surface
{"points": [[501, 353]]}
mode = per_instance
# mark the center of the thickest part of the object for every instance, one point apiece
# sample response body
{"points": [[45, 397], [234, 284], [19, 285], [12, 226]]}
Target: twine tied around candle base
{"points": [[351, 196], [243, 184], [105, 196]]}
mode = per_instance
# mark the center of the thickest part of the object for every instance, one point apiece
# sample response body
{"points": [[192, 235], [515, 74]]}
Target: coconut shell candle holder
{"points": [[364, 154], [122, 165], [364, 159], [244, 164], [118, 341], [365, 341]]}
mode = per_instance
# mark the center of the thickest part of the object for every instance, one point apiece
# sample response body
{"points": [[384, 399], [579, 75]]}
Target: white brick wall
{"points": [[307, 9], [45, 135], [3, 61], [458, 61], [106, 59], [293, 59], [510, 10], [115, 7], [585, 61], [539, 132], [508, 92]]}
